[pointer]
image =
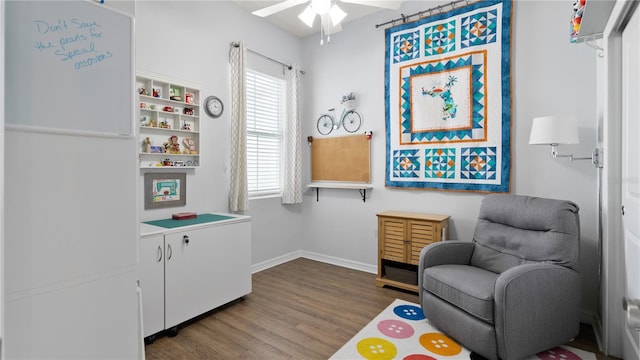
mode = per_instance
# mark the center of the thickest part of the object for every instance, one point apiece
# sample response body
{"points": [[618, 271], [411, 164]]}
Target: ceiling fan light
{"points": [[336, 14], [320, 6], [308, 16]]}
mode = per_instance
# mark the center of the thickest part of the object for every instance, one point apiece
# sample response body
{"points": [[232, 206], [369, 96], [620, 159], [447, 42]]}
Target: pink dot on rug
{"points": [[418, 357], [395, 329], [558, 353]]}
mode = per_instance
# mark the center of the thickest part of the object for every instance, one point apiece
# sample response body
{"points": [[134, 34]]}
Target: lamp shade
{"points": [[547, 130]]}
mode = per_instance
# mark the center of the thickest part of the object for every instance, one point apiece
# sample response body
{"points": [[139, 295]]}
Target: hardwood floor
{"points": [[302, 309]]}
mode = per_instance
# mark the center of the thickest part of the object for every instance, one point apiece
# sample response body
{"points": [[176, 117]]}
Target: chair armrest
{"points": [[441, 253], [446, 252], [537, 306]]}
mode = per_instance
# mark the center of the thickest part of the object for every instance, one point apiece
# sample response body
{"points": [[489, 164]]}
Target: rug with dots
{"points": [[401, 331]]}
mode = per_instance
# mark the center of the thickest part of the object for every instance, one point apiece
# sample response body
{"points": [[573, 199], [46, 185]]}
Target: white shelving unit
{"points": [[594, 19], [168, 114]]}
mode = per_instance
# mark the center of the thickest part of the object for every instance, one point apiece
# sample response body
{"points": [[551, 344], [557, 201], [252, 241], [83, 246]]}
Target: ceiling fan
{"points": [[331, 15]]}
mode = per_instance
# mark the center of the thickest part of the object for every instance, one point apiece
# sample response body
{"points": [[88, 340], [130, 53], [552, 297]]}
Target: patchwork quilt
{"points": [[448, 100]]}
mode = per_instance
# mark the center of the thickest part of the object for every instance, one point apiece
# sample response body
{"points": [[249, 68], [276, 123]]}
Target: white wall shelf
{"points": [[166, 109], [362, 188], [594, 19]]}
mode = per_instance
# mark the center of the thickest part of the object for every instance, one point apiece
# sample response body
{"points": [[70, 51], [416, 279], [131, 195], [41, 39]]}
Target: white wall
{"points": [[549, 76], [189, 41]]}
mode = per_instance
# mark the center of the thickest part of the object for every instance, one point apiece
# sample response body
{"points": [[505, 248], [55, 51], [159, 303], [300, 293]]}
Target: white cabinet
{"points": [[151, 275], [169, 122], [187, 271]]}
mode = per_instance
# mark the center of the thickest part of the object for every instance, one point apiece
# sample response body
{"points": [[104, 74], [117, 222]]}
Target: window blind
{"points": [[265, 107]]}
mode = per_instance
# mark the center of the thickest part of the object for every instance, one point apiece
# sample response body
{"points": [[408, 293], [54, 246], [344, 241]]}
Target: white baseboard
{"points": [[264, 265], [587, 317], [355, 265], [275, 261], [597, 330]]}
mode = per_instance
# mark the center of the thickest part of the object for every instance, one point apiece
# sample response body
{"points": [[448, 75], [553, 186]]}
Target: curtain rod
{"points": [[420, 14], [235, 44]]}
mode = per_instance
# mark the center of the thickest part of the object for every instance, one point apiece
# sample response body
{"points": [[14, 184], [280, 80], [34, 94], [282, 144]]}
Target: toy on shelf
{"points": [[174, 146], [147, 145], [189, 146], [576, 19]]}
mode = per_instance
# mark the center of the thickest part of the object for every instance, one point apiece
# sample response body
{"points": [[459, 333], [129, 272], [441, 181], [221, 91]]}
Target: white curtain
{"points": [[238, 188], [292, 183]]}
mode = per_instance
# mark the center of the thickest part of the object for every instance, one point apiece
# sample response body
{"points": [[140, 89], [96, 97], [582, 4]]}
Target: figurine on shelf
{"points": [[165, 147], [147, 145], [164, 124], [189, 146], [186, 126], [143, 91], [174, 146]]}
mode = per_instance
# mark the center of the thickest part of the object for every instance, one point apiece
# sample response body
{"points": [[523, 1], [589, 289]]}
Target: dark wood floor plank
{"points": [[300, 310]]}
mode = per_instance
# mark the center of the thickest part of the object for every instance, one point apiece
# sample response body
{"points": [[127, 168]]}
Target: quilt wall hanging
{"points": [[448, 100]]}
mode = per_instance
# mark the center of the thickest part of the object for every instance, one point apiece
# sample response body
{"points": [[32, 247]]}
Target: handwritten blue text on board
{"points": [[74, 41]]}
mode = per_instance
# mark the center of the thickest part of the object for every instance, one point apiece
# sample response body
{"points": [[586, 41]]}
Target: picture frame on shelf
{"points": [[163, 190]]}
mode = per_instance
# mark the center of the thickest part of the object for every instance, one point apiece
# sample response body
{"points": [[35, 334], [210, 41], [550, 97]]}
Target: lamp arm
{"points": [[595, 156]]}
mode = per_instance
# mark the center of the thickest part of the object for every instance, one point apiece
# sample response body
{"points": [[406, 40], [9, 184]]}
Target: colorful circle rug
{"points": [[401, 331]]}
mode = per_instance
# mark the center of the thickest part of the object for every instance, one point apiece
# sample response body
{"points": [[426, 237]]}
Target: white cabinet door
{"points": [[151, 275], [206, 268]]}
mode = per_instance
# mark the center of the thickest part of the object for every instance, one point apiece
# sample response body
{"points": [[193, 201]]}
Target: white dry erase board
{"points": [[71, 67]]}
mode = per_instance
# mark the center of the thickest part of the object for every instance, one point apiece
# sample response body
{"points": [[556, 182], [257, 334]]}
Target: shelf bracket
{"points": [[363, 193]]}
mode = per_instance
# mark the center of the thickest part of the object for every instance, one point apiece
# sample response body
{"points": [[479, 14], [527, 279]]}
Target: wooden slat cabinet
{"points": [[401, 237]]}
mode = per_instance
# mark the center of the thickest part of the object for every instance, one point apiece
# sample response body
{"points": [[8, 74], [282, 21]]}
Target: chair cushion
{"points": [[515, 229], [469, 288]]}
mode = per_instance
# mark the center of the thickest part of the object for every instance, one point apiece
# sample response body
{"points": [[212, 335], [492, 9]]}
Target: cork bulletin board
{"points": [[343, 158]]}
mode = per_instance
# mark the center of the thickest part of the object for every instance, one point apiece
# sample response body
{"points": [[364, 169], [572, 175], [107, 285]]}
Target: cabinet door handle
{"points": [[159, 253], [169, 251], [185, 238]]}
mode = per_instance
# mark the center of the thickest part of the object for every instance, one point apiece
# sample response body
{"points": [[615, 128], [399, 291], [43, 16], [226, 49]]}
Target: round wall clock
{"points": [[213, 106]]}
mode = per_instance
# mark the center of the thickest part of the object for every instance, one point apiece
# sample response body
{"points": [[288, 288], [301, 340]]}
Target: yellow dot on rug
{"points": [[376, 349], [439, 344]]}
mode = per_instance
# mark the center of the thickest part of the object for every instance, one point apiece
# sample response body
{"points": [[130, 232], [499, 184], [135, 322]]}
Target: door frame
{"points": [[2, 180], [610, 316]]}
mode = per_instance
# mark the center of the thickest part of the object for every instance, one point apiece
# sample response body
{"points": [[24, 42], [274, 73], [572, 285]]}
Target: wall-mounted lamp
{"points": [[553, 130]]}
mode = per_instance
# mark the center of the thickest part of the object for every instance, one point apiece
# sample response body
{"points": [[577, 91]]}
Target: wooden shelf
{"points": [[382, 281]]}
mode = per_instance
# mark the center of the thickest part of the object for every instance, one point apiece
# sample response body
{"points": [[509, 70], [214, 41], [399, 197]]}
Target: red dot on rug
{"points": [[418, 357], [558, 353]]}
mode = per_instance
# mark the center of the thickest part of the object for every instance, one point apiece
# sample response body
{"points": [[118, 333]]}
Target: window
{"points": [[265, 110]]}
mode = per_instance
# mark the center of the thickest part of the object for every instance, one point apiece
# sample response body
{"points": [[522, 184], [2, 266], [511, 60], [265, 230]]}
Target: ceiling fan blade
{"points": [[270, 10], [327, 25], [385, 4]]}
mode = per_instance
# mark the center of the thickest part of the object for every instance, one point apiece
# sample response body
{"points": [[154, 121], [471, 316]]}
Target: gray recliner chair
{"points": [[515, 289]]}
